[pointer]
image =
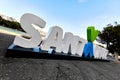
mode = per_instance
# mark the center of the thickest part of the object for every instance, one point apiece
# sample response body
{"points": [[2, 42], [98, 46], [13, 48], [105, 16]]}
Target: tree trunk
{"points": [[116, 58]]}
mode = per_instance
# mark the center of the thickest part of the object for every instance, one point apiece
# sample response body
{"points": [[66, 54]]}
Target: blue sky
{"points": [[72, 15]]}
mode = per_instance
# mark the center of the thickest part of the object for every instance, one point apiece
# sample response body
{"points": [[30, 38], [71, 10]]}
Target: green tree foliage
{"points": [[111, 37], [10, 24], [1, 21]]}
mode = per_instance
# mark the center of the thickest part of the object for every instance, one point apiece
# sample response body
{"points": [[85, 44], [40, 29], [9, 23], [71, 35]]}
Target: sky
{"points": [[71, 15]]}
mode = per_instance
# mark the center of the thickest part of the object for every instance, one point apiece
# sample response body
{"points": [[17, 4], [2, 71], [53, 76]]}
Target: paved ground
{"points": [[42, 69], [5, 41]]}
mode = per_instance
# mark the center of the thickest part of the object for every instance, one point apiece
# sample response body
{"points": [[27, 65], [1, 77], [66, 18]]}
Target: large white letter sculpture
{"points": [[67, 42], [79, 45], [26, 22], [53, 39], [74, 43], [100, 52]]}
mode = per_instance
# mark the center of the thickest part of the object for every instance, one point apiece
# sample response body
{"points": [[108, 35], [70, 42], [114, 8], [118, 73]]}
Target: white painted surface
{"points": [[26, 22]]}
